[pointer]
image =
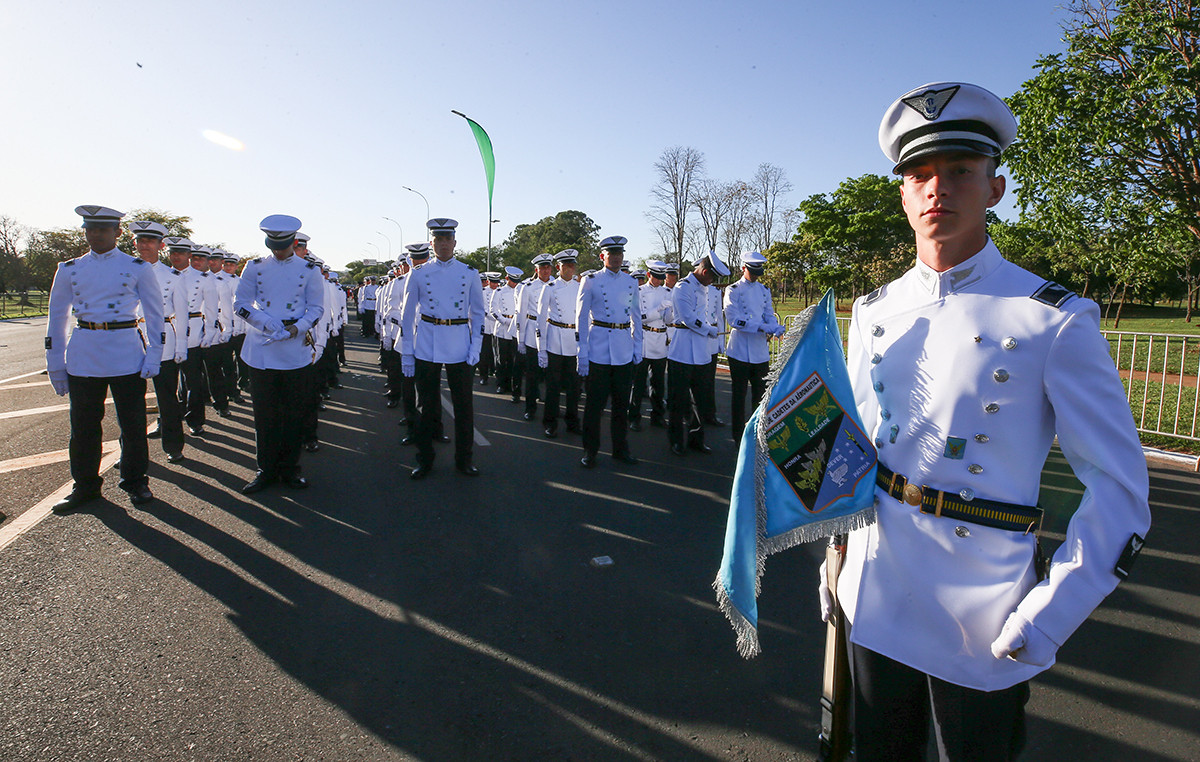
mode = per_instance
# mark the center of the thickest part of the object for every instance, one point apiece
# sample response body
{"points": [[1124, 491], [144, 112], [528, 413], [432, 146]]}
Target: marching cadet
{"points": [[445, 296], [317, 338], [656, 316], [672, 277], [202, 297], [487, 355], [640, 277], [528, 298], [418, 253], [388, 309], [964, 370], [343, 318], [366, 306], [689, 355], [104, 289], [557, 347], [750, 315], [716, 344], [218, 358], [236, 372], [504, 311], [148, 238], [608, 316], [281, 298]]}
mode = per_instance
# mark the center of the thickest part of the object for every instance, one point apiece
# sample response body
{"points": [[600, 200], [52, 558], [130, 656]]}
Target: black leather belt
{"points": [[654, 330], [195, 314], [951, 505], [290, 321], [560, 325], [107, 326], [531, 317], [613, 326], [505, 316], [445, 321]]}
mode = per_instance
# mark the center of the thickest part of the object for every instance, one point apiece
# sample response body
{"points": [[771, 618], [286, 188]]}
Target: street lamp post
{"points": [[397, 224], [422, 195], [389, 240]]}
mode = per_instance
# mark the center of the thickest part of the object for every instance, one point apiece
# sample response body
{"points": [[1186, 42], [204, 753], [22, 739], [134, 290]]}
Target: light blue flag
{"points": [[806, 469]]}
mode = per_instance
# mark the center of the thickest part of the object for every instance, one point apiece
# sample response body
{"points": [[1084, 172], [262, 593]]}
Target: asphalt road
{"points": [[375, 618]]}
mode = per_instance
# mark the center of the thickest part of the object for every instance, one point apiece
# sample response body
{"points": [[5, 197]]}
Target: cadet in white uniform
{"points": [[388, 308], [529, 296], [656, 315], [218, 356], [504, 312], [442, 325], [237, 374], [558, 346], [104, 289], [964, 370], [366, 306], [609, 320], [203, 307], [689, 356], [750, 315], [487, 354], [281, 298], [148, 238]]}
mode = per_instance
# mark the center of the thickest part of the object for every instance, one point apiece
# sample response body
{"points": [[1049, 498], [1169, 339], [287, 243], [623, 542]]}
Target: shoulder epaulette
{"points": [[204, 274], [311, 265], [68, 263], [591, 275], [874, 295], [138, 260], [735, 285], [1052, 294]]}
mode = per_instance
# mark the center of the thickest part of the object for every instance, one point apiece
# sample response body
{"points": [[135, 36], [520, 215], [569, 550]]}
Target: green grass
{"points": [[23, 305]]}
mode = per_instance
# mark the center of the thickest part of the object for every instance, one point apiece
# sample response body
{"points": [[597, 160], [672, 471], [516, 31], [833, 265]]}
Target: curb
{"points": [[1172, 459]]}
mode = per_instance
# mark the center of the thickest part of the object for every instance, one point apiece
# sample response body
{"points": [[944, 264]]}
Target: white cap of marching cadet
{"points": [[945, 116], [657, 268], [201, 251], [98, 215], [566, 255], [281, 230], [719, 267], [494, 277], [442, 226], [542, 259], [302, 239], [178, 243], [418, 251], [148, 229], [753, 260], [514, 273], [231, 257], [616, 242]]}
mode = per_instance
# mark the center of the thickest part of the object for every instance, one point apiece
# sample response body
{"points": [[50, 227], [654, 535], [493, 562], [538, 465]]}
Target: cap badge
{"points": [[931, 103]]}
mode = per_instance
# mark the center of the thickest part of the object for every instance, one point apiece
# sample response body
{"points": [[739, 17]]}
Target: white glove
{"points": [[408, 366], [543, 358], [520, 347], [226, 336], [207, 340], [1021, 641], [637, 358], [272, 325], [149, 367], [780, 330], [273, 336], [58, 380], [712, 332], [181, 358], [826, 595], [473, 359], [582, 367], [388, 344]]}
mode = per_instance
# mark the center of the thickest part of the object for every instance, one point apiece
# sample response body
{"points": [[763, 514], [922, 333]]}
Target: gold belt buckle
{"points": [[912, 494]]}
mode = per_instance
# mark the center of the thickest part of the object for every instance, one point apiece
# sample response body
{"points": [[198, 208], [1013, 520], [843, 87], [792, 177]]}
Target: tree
{"points": [[46, 248], [568, 229], [12, 269], [768, 187], [679, 170], [712, 200], [735, 228], [175, 225]]}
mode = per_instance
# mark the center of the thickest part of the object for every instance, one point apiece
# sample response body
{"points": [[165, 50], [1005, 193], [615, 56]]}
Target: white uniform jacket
{"points": [[489, 320], [225, 293], [716, 318], [612, 298], [963, 378], [174, 301], [691, 344], [202, 299], [442, 291], [103, 288], [556, 318], [391, 310], [239, 325], [657, 313], [273, 294], [750, 315], [527, 314], [504, 309]]}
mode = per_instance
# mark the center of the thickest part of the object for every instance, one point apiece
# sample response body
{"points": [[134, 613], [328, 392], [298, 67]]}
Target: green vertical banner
{"points": [[485, 151]]}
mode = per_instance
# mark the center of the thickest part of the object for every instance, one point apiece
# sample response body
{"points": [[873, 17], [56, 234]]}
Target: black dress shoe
{"points": [[75, 500], [174, 457], [140, 495], [516, 400], [483, 382], [393, 403], [197, 431], [712, 420], [499, 390], [551, 432], [223, 412], [321, 405], [421, 471], [626, 458], [239, 399], [409, 439], [468, 470], [325, 395], [699, 447], [155, 434], [678, 449], [441, 438], [296, 482], [588, 460], [257, 484], [635, 425], [527, 415], [335, 385], [312, 445]]}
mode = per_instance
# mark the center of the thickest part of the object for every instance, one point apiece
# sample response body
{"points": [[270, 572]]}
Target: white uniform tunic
{"points": [[202, 300], [716, 318], [963, 379], [489, 320], [750, 315], [103, 288], [556, 318], [390, 310], [270, 293], [611, 297], [691, 345], [504, 309], [225, 292], [367, 296], [239, 325], [439, 290], [174, 301], [527, 314], [657, 313]]}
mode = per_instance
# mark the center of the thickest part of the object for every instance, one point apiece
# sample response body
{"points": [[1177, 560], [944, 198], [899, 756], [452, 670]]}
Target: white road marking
{"points": [[50, 409], [23, 375], [30, 518], [46, 458], [479, 438], [26, 385]]}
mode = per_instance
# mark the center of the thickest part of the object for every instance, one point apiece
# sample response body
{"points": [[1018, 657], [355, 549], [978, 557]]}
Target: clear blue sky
{"points": [[340, 105]]}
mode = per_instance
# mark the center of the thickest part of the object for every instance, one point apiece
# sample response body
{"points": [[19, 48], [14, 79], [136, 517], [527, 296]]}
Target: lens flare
{"points": [[223, 140]]}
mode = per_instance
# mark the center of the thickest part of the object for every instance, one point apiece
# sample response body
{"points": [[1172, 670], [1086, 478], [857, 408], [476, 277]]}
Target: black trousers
{"points": [[487, 358], [605, 382], [506, 376], [561, 378], [368, 323], [340, 342], [685, 388], [243, 370], [654, 372], [429, 402], [533, 378], [214, 368], [706, 397], [227, 360], [87, 410], [279, 398], [741, 376], [894, 703], [194, 389], [311, 411], [392, 369], [170, 411]]}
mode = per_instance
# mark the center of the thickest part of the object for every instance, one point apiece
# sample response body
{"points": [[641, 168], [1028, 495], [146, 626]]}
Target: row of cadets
{"points": [[608, 317], [281, 297], [502, 308], [387, 312], [366, 305], [442, 326], [657, 314], [202, 316], [750, 315], [690, 396], [218, 356], [529, 296], [237, 372], [104, 289], [490, 281], [148, 240], [558, 345]]}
